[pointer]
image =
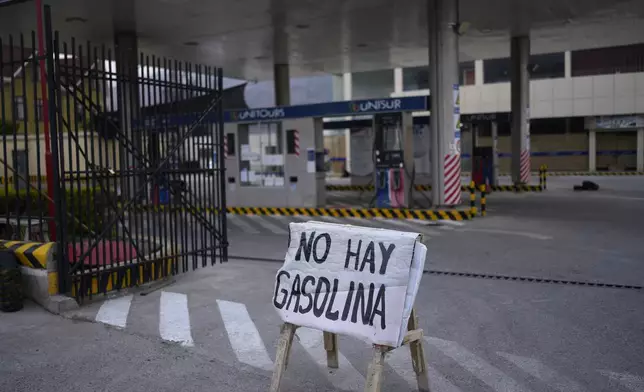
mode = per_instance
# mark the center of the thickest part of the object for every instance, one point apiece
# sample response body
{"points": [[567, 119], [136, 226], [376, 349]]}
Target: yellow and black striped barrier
{"points": [[418, 187], [388, 213], [472, 198], [31, 254], [483, 199]]}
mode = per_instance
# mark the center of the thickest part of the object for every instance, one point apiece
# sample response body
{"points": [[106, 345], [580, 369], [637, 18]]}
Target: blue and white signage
{"points": [[330, 109]]}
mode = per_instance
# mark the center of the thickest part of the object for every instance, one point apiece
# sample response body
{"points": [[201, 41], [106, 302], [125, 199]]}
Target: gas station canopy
{"points": [[246, 37]]}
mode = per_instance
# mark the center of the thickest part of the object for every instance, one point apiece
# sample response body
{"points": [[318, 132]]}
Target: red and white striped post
{"points": [[525, 166], [452, 162], [296, 142]]}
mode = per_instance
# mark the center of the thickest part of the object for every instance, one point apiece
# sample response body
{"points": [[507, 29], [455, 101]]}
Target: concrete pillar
{"points": [[592, 150], [478, 73], [444, 103], [126, 56], [495, 153], [567, 64], [398, 80], [640, 150], [520, 104], [282, 83]]}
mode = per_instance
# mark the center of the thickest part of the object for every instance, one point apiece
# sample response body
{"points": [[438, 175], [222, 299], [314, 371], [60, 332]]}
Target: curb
{"points": [[40, 274], [96, 281], [390, 213]]}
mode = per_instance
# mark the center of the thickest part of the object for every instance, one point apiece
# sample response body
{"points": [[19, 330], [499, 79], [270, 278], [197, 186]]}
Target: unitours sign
{"points": [[258, 114], [376, 105]]}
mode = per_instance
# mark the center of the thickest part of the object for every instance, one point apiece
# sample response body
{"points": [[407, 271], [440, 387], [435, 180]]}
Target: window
{"points": [[496, 70], [541, 66], [372, 84], [19, 108], [546, 66], [466, 73], [606, 61], [261, 160], [416, 78]]}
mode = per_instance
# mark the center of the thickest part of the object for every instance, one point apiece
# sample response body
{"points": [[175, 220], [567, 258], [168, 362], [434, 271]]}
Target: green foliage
{"points": [[85, 208]]}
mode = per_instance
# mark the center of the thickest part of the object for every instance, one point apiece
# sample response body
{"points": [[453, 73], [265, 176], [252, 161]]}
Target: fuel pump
{"points": [[389, 160]]}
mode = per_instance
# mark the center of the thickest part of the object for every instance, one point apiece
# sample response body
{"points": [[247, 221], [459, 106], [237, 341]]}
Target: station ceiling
{"points": [[331, 36]]}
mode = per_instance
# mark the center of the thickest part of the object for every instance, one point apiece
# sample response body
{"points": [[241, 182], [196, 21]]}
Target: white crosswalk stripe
{"points": [[481, 369], [346, 377], [634, 383], [400, 361], [174, 319], [540, 371], [250, 348], [114, 311], [410, 226], [239, 222], [243, 335], [265, 223]]}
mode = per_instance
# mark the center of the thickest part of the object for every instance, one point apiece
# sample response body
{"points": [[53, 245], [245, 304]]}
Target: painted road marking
{"points": [[410, 226], [482, 370], [538, 370], [244, 336], [534, 236], [400, 361], [114, 311], [174, 318], [346, 377], [239, 222], [634, 383], [265, 223]]}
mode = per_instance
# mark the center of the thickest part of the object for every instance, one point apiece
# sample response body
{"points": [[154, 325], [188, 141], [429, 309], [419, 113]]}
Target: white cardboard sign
{"points": [[350, 280]]}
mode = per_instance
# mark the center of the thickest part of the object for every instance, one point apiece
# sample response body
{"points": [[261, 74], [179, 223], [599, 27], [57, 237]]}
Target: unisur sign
{"points": [[377, 105], [350, 280]]}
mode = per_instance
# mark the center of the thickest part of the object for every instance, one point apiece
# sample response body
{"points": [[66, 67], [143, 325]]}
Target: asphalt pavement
{"points": [[528, 312]]}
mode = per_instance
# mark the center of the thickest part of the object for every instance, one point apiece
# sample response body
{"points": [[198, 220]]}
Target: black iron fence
{"points": [[135, 190]]}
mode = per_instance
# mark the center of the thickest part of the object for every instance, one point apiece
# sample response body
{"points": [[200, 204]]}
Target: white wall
{"points": [[564, 97]]}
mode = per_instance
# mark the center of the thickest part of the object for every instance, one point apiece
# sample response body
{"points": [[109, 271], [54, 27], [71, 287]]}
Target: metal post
{"points": [[45, 108], [221, 173], [63, 264]]}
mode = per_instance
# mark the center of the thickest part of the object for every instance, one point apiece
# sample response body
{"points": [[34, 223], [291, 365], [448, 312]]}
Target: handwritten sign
{"points": [[350, 280]]}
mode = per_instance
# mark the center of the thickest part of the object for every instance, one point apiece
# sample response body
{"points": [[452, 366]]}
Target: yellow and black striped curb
{"points": [[31, 254], [388, 213], [123, 277], [419, 187]]}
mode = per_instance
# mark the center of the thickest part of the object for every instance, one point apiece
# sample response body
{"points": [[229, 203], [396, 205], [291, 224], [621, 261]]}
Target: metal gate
{"points": [[137, 146]]}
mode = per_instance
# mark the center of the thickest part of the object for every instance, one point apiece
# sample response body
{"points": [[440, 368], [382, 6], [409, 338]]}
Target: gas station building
{"points": [[557, 81]]}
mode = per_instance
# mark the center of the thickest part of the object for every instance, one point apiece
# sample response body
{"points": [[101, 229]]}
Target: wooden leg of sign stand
{"points": [[283, 351], [374, 372], [415, 339], [331, 347]]}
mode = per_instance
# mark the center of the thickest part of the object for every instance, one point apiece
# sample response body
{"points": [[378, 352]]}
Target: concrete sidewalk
{"points": [[43, 352]]}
